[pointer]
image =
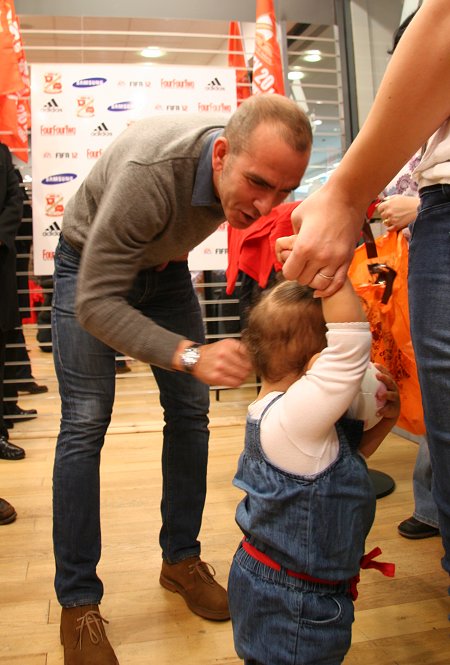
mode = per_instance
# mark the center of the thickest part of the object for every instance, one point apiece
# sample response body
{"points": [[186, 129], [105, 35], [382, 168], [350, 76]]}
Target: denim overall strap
{"points": [[253, 432]]}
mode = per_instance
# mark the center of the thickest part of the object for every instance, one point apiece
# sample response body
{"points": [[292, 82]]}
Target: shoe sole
{"points": [[201, 611], [9, 519], [12, 459], [419, 536], [32, 392]]}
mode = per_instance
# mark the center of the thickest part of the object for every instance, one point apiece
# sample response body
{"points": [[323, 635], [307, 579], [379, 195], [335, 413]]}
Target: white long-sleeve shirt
{"points": [[298, 431], [434, 167]]}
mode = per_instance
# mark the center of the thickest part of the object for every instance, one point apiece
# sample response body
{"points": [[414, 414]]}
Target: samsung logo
{"points": [[89, 83], [121, 106], [59, 178]]}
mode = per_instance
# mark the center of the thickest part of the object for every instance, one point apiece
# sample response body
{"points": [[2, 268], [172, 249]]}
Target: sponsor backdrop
{"points": [[77, 110]]}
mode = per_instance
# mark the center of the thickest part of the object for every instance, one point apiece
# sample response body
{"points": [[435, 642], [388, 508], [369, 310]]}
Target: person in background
{"points": [[409, 110], [22, 372], [10, 218], [17, 373], [122, 283], [309, 501], [398, 210]]}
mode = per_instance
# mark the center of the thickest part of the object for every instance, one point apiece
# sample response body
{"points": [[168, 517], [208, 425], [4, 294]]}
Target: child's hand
{"points": [[283, 247], [391, 409]]}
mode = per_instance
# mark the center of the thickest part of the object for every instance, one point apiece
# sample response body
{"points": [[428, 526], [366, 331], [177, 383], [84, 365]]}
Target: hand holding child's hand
{"points": [[391, 409]]}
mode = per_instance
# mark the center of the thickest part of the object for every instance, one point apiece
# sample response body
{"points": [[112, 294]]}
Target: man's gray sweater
{"points": [[134, 211]]}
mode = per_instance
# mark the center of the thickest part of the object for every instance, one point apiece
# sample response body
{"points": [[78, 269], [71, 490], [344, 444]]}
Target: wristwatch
{"points": [[190, 357]]}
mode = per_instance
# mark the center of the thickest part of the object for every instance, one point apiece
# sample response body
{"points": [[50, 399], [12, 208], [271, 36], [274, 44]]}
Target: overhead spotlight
{"points": [[314, 55], [152, 52], [315, 122], [296, 75]]}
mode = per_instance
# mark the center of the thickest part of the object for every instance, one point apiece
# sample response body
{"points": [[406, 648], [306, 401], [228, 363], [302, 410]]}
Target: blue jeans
{"points": [[279, 619], [429, 297], [424, 506], [85, 368]]}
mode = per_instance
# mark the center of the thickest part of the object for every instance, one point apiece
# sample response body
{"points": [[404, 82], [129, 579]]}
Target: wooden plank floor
{"points": [[398, 622]]}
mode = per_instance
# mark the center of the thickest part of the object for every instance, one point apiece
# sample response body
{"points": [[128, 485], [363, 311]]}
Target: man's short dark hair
{"points": [[283, 114]]}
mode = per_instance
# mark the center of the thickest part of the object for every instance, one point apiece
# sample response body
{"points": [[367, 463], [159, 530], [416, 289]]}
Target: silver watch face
{"points": [[190, 357]]}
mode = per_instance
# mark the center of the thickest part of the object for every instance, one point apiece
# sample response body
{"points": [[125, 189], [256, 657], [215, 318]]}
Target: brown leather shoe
{"points": [[194, 580], [84, 638], [7, 512]]}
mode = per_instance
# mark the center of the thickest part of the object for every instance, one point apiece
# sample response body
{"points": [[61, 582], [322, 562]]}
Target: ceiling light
{"points": [[314, 55], [152, 52], [296, 75], [316, 122]]}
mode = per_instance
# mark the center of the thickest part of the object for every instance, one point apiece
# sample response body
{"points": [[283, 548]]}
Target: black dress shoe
{"points": [[15, 413], [32, 388], [7, 512], [414, 529], [9, 450]]}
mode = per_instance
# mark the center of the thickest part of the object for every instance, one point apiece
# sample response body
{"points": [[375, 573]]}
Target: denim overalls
{"points": [[316, 526]]}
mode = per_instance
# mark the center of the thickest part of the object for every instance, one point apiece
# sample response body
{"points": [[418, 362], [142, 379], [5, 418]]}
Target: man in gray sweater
{"points": [[122, 282]]}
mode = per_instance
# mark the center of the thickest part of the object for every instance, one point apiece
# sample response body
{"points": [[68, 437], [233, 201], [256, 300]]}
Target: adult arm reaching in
{"points": [[406, 111]]}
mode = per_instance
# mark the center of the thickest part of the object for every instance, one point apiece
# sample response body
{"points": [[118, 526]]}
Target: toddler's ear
{"points": [[312, 361]]}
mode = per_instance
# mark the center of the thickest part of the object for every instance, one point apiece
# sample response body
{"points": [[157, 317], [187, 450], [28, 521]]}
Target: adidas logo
{"points": [[101, 130], [215, 84], [52, 230], [52, 107]]}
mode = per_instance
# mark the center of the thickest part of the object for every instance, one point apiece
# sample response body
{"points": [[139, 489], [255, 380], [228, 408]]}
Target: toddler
{"points": [[309, 502]]}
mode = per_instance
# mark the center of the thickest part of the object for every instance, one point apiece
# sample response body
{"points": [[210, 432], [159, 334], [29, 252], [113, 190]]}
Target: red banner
{"points": [[236, 58], [267, 68], [14, 84]]}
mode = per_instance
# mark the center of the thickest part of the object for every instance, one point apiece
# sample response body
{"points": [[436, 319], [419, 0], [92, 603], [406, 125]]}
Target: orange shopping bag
{"points": [[379, 274]]}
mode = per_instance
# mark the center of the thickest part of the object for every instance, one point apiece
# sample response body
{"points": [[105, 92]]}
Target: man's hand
{"points": [[223, 363]]}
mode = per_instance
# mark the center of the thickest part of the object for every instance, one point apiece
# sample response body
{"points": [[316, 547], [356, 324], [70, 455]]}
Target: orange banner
{"points": [[267, 68], [236, 58], [14, 84], [10, 77]]}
